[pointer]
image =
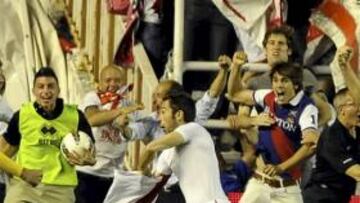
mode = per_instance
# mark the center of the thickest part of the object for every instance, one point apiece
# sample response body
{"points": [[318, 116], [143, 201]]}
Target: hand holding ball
{"points": [[78, 149]]}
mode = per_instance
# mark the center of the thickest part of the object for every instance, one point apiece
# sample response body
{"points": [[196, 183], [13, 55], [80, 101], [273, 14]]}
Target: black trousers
{"points": [[314, 193], [91, 189], [173, 195]]}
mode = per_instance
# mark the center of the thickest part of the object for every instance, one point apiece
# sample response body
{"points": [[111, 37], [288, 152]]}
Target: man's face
{"points": [[158, 96], [46, 91], [277, 49], [283, 87], [351, 111], [111, 80], [167, 117]]}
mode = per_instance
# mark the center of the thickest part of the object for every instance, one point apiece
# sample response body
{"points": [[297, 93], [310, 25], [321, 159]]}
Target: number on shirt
{"points": [[313, 119]]}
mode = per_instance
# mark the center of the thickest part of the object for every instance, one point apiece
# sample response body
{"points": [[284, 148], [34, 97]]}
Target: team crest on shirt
{"points": [[290, 119], [292, 115]]}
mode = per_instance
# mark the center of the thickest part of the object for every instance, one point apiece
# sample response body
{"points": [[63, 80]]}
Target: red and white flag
{"points": [[144, 10], [338, 20], [132, 187], [251, 19]]}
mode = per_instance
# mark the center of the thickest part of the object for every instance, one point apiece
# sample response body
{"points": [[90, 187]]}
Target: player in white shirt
{"points": [[194, 160]]}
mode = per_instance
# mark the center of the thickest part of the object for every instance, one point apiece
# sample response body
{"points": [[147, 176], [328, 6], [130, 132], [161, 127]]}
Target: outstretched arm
{"points": [[218, 85], [344, 55], [245, 121], [206, 106], [97, 117], [234, 84], [167, 141]]}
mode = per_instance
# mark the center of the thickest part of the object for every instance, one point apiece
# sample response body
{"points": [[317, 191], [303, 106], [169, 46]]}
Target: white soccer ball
{"points": [[79, 143]]}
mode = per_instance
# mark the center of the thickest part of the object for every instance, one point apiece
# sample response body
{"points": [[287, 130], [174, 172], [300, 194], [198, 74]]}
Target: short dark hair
{"points": [[45, 72], [180, 100], [291, 70], [285, 30]]}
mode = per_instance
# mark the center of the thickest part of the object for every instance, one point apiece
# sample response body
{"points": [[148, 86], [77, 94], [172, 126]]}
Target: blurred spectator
{"points": [[150, 22], [235, 167], [155, 31], [298, 17], [5, 115], [207, 35]]}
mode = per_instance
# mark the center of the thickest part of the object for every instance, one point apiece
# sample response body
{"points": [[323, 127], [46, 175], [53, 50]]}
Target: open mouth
{"points": [[280, 93], [280, 96]]}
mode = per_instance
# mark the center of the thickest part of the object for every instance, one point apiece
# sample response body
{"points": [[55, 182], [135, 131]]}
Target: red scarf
{"points": [[107, 97]]}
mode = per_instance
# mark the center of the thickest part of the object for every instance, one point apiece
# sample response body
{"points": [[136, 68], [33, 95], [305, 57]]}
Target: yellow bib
{"points": [[40, 144]]}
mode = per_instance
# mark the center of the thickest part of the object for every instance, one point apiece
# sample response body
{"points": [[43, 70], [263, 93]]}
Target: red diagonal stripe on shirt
{"points": [[284, 149]]}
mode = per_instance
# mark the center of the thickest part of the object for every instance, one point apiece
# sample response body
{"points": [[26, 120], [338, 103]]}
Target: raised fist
{"points": [[239, 58], [344, 55], [224, 62]]}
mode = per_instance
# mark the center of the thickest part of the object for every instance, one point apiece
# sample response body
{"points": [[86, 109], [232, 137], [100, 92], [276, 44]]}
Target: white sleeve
{"points": [[164, 161], [187, 131], [205, 107], [309, 117], [259, 96], [90, 99]]}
